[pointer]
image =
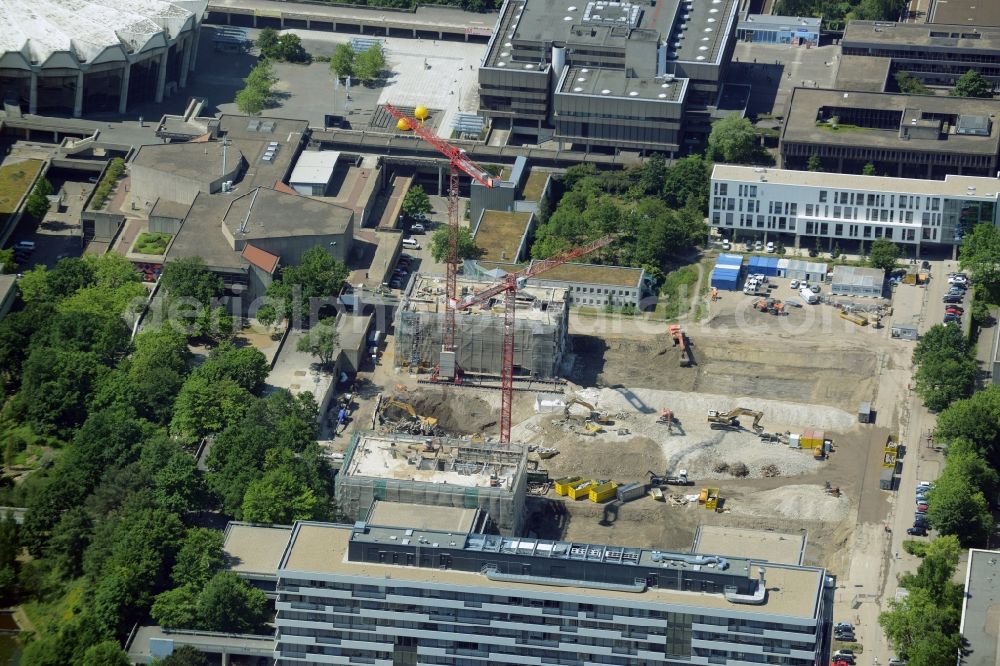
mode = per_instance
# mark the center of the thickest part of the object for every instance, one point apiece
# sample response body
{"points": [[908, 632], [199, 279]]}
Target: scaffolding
{"points": [[539, 335], [434, 472]]}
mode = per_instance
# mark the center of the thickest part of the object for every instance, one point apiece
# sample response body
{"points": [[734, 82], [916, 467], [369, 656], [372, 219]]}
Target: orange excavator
{"points": [[681, 340], [770, 305]]}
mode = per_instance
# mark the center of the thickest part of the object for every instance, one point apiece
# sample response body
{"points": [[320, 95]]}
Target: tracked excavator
{"points": [[594, 415], [427, 423], [730, 420]]}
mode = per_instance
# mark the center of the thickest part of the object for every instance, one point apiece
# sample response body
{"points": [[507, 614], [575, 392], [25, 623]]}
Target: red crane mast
{"points": [[508, 287], [459, 162]]}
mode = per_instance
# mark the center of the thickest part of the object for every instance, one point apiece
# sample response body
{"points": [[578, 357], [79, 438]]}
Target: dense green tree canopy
{"points": [[467, 248], [980, 255], [190, 278], [734, 141], [883, 254], [972, 84], [415, 202]]}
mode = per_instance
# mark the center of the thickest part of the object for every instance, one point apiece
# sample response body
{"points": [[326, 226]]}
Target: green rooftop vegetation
{"points": [[151, 243], [15, 179]]}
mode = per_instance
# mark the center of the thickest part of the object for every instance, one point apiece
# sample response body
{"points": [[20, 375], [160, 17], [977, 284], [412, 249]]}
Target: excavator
{"points": [[427, 423], [681, 340], [597, 417], [729, 421]]}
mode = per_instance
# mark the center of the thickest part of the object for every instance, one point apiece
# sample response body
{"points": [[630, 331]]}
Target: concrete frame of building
{"points": [[937, 55], [789, 206], [110, 82]]}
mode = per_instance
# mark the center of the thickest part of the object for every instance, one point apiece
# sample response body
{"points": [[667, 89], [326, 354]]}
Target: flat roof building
{"points": [[65, 57], [439, 472], [313, 172], [390, 595], [979, 626], [602, 75], [972, 13], [768, 29], [503, 236], [599, 285], [801, 207], [911, 136], [857, 281], [539, 338], [937, 55]]}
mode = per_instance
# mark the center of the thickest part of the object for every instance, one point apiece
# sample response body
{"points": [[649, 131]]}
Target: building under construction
{"points": [[434, 472], [540, 328]]}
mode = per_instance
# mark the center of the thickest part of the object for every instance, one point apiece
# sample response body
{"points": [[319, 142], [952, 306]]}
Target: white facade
{"points": [[385, 596], [800, 206]]}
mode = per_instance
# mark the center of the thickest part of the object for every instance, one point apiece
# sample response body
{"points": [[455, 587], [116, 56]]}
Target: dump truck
{"points": [[729, 421], [666, 479]]}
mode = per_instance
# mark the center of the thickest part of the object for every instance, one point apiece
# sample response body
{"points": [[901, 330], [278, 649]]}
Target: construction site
{"points": [[743, 420]]}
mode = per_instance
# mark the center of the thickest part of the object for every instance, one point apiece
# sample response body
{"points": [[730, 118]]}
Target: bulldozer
{"points": [[598, 418], [729, 420], [427, 423]]}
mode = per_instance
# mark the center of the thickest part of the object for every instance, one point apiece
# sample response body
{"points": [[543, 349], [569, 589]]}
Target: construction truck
{"points": [[427, 423], [679, 479], [681, 340], [599, 418], [729, 420]]}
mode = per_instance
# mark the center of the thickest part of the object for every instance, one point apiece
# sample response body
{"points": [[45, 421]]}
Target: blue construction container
{"points": [[763, 266], [727, 278]]}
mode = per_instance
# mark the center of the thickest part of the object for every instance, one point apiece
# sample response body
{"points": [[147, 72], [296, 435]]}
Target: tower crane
{"points": [[460, 163], [508, 287]]}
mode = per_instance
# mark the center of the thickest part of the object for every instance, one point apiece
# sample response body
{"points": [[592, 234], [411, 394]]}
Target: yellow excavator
{"points": [[594, 415], [729, 420], [427, 423]]}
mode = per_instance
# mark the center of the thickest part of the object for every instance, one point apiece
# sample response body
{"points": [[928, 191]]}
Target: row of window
{"points": [[775, 223]]}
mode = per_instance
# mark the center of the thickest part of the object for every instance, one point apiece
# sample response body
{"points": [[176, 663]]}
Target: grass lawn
{"points": [[678, 291], [151, 243], [15, 179]]}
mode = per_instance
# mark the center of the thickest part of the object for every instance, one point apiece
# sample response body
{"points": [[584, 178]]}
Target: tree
{"points": [[814, 163], [868, 169], [250, 101], [289, 49], [262, 77], [55, 387], [883, 254], [321, 341], [204, 407], [368, 65], [176, 608], [213, 324], [279, 498], [108, 653], [69, 539], [267, 315], [687, 179], [228, 604], [732, 140], [247, 366], [199, 558], [980, 255], [10, 548], [37, 204], [190, 278], [467, 248], [910, 85], [415, 202], [342, 61], [7, 262], [972, 84], [945, 377], [267, 42], [184, 655], [959, 508], [939, 338], [318, 276]]}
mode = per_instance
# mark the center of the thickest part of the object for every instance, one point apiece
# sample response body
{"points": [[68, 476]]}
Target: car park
{"points": [[917, 531]]}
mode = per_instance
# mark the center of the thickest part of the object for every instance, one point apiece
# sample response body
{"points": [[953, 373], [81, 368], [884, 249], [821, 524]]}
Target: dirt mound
{"points": [[797, 502], [458, 412]]}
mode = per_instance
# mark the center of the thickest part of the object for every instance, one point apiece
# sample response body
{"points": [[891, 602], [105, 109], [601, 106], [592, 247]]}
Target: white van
{"points": [[808, 296], [411, 244]]}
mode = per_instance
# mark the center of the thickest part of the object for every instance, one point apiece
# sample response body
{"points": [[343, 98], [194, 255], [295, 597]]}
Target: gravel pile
{"points": [[799, 502]]}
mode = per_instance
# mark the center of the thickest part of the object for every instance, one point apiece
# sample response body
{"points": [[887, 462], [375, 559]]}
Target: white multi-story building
{"points": [[393, 595], [799, 207]]}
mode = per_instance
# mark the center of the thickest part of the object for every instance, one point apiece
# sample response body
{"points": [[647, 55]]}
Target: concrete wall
{"points": [[101, 226], [164, 225], [291, 248], [150, 184], [490, 198]]}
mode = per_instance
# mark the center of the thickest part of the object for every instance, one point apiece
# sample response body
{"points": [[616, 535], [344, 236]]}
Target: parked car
{"points": [[770, 246], [951, 317], [897, 661], [794, 303], [417, 228], [25, 246], [411, 244], [954, 309], [794, 284], [813, 252], [917, 531], [921, 521], [952, 298], [814, 288], [726, 245], [843, 625], [925, 484], [758, 246], [923, 507]]}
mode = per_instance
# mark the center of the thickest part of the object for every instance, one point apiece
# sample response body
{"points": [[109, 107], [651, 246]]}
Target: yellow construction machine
{"points": [[427, 423], [730, 421], [595, 416]]}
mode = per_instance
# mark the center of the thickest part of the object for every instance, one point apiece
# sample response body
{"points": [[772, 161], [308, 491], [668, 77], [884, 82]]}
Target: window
{"points": [[753, 190], [724, 189], [809, 210], [822, 196]]}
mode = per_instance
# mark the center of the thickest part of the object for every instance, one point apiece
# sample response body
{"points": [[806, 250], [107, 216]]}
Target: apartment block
{"points": [[387, 595], [799, 207], [907, 136], [603, 75]]}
